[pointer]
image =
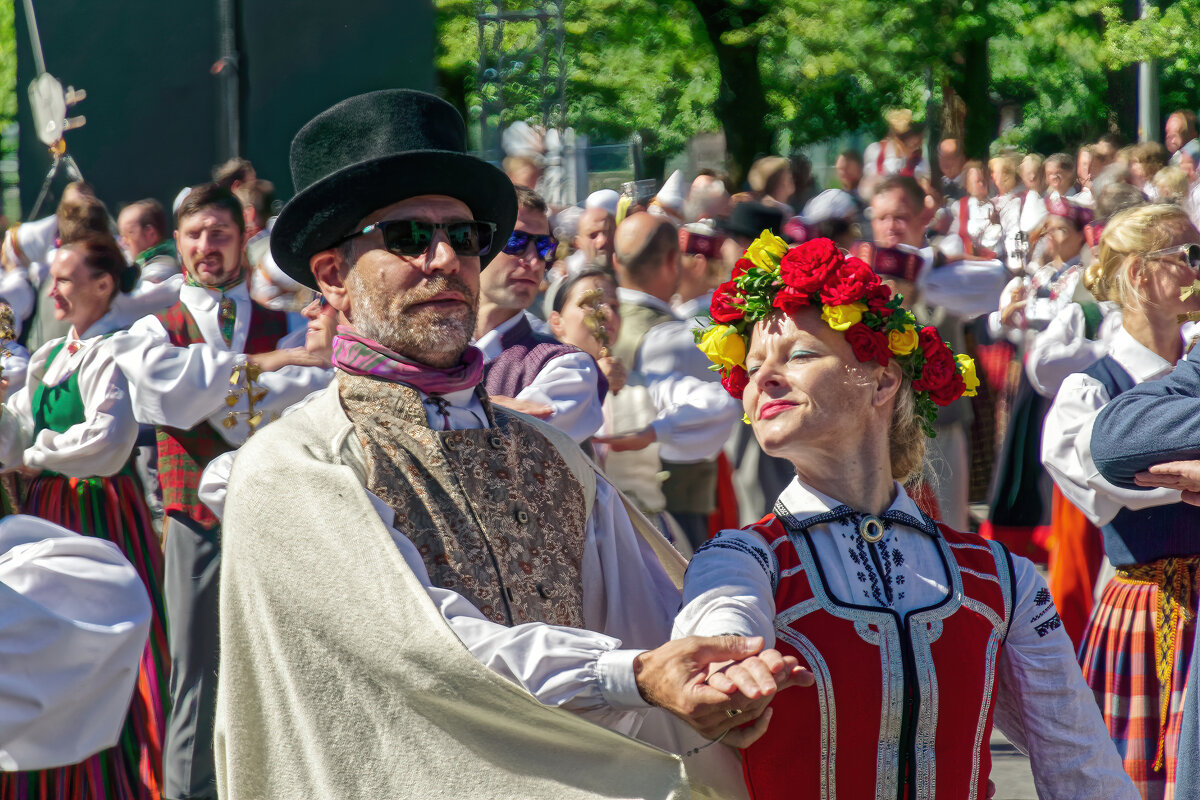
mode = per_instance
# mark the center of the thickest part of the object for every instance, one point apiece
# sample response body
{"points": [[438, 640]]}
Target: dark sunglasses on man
{"points": [[412, 237], [547, 246], [1190, 252]]}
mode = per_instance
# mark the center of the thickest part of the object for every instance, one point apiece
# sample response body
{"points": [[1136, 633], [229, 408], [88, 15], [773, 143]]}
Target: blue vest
{"points": [[1139, 537]]}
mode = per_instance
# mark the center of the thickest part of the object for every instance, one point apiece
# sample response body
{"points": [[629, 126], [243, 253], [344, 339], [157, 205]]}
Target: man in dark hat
{"points": [[414, 577], [206, 372]]}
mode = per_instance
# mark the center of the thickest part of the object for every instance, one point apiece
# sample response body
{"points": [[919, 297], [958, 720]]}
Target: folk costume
{"points": [[920, 637], [73, 421], [180, 364], [528, 364], [1137, 648], [481, 537]]}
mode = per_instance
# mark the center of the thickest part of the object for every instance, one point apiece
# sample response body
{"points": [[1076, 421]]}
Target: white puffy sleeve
{"points": [[74, 617]]}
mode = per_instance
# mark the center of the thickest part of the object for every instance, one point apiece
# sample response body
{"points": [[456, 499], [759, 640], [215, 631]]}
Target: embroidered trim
{"points": [[989, 679], [825, 701], [723, 542], [980, 575]]}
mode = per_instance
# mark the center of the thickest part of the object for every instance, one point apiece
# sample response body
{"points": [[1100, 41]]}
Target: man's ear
{"points": [[326, 268]]}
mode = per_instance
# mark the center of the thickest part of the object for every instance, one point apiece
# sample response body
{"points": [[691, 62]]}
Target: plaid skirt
{"points": [[1137, 669]]}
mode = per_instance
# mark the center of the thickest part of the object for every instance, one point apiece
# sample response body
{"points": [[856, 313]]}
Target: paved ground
{"points": [[1010, 771]]}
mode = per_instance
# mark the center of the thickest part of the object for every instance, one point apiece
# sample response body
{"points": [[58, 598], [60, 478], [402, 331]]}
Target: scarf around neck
{"points": [[359, 355]]}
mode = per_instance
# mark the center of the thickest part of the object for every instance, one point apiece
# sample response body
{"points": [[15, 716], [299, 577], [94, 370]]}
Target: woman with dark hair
{"points": [[920, 636], [70, 431]]}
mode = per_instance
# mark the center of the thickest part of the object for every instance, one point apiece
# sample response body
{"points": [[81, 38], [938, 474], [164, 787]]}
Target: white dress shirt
{"points": [[183, 386], [98, 446], [569, 383], [695, 413], [74, 617], [1042, 703], [1067, 436], [37, 241]]}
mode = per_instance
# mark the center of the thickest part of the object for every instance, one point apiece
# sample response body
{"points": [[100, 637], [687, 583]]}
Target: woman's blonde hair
{"points": [[1127, 238], [906, 437]]}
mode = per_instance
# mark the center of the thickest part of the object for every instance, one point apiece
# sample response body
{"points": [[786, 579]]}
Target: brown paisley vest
{"points": [[496, 513]]}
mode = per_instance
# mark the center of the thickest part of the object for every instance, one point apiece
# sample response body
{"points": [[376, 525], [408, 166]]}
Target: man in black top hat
{"points": [[400, 505]]}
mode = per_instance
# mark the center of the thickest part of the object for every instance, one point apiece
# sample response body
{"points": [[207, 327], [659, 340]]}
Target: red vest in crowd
{"points": [[183, 454], [902, 707]]}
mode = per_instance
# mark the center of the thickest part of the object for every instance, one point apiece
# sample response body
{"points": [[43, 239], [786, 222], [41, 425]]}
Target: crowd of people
{"points": [[425, 486]]}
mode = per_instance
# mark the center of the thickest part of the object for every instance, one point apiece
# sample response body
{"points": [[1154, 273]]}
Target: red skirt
{"points": [[113, 509]]}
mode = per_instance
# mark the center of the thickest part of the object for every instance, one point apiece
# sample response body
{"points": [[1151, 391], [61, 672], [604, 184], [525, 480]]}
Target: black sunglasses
{"points": [[546, 246], [412, 237]]}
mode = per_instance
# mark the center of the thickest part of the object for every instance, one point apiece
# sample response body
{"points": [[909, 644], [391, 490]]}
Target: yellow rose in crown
{"points": [[903, 342], [766, 250], [724, 346], [966, 368], [842, 317]]}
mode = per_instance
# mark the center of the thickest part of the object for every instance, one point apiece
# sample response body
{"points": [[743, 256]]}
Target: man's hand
{"points": [[638, 440], [615, 372], [539, 410], [1009, 314], [1181, 475], [291, 357], [676, 677]]}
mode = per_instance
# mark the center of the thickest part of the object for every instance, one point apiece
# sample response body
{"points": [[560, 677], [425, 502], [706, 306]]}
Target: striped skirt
{"points": [[1137, 669], [113, 509]]}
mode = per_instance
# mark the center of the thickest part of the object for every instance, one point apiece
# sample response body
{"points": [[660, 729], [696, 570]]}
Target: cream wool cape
{"points": [[340, 679]]}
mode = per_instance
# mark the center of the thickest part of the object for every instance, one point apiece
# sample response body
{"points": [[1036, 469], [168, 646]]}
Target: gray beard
{"points": [[425, 336]]}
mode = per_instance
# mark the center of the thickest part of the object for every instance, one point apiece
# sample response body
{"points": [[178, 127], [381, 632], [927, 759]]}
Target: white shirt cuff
{"points": [[617, 682]]}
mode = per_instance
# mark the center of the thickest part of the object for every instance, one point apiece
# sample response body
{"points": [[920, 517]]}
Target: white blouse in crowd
{"points": [[695, 414], [569, 383], [74, 617], [98, 446], [1042, 705], [1057, 283], [1067, 435], [185, 386], [1063, 348], [893, 162], [983, 225], [36, 240]]}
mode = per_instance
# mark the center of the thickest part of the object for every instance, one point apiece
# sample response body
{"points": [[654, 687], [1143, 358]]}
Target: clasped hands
{"points": [[720, 685]]}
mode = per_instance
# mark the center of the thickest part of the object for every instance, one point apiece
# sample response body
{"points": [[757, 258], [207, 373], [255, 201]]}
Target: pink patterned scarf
{"points": [[358, 355]]}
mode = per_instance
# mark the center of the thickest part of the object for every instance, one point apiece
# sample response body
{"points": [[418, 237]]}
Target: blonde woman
{"points": [[920, 637], [1136, 649]]}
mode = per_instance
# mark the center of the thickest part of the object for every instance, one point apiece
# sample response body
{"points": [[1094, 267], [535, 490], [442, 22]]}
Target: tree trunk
{"points": [[741, 102], [1122, 90], [979, 126]]}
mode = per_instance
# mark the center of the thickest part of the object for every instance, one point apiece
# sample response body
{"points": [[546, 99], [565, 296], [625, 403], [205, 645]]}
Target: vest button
{"points": [[496, 442], [521, 516], [542, 593], [450, 444]]}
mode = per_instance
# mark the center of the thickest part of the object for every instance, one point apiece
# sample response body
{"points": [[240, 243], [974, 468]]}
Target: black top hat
{"points": [[375, 149], [751, 219]]}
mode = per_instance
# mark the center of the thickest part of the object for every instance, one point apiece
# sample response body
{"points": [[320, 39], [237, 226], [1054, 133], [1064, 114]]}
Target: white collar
{"points": [[202, 298], [489, 343], [1139, 361], [107, 324], [639, 298], [803, 502], [694, 307]]}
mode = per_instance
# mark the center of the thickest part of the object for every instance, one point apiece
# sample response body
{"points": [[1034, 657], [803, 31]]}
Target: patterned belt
{"points": [[1175, 579]]}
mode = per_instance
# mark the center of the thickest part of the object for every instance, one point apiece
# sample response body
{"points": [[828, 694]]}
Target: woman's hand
{"points": [[1008, 317], [1181, 475], [539, 410], [615, 372], [291, 357]]}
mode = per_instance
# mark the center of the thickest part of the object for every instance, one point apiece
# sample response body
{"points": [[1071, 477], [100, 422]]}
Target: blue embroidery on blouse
{"points": [[729, 543]]}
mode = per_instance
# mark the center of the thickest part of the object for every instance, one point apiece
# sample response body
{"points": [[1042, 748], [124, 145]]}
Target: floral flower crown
{"points": [[852, 299]]}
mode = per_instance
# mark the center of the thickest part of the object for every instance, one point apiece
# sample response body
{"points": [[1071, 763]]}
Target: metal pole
{"points": [[1148, 113], [39, 60], [230, 134]]}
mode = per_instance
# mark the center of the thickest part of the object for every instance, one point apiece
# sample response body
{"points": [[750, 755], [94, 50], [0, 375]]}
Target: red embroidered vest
{"points": [[902, 708], [183, 454]]}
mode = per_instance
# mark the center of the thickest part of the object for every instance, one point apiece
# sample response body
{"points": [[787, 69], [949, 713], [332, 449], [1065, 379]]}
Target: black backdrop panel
{"points": [[152, 104]]}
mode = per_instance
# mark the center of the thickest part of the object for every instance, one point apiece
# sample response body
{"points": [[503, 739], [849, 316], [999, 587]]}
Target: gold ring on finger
{"points": [[732, 712]]}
